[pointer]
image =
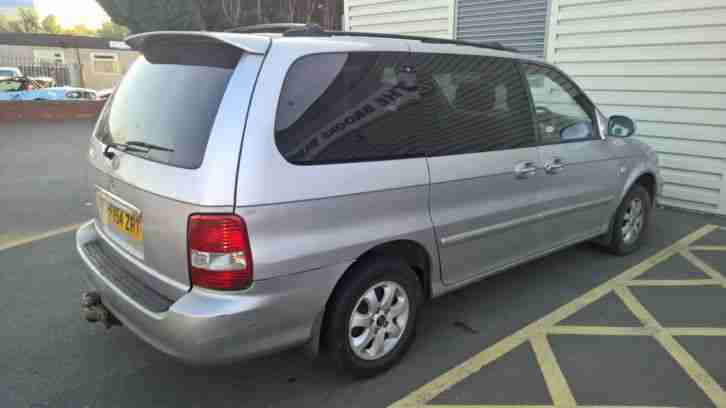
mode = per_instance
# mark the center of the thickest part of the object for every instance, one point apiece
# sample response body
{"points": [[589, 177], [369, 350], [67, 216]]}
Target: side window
{"points": [[10, 86], [472, 104], [361, 106], [563, 114], [346, 107]]}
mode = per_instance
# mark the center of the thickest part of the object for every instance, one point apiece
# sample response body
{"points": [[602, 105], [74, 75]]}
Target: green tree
{"points": [[218, 15], [112, 31], [27, 21], [50, 25], [80, 29], [151, 15], [4, 23]]}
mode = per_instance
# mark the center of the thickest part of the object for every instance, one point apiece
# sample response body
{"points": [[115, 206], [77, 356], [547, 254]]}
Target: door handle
{"points": [[555, 165], [525, 169]]}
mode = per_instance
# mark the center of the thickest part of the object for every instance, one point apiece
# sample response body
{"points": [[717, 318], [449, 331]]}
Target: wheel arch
{"points": [[412, 252], [645, 178]]}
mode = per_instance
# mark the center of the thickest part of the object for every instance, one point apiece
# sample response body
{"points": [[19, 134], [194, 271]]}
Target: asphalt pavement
{"points": [[42, 177], [49, 357]]}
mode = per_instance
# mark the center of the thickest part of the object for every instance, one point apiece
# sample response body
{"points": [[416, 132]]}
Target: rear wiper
{"points": [[149, 146], [132, 147], [121, 146]]}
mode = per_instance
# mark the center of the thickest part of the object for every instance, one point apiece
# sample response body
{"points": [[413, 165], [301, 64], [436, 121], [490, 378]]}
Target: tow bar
{"points": [[94, 311]]}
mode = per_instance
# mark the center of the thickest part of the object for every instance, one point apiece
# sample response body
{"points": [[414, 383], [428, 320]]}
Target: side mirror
{"points": [[621, 126]]}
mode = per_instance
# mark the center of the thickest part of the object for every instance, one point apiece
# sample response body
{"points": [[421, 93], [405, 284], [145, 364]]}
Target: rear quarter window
{"points": [[347, 107]]}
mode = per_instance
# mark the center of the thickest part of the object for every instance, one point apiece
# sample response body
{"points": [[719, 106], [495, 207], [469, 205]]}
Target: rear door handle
{"points": [[525, 169], [555, 165]]}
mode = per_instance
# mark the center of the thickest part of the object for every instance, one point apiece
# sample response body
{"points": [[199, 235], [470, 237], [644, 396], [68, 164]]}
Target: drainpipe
{"points": [[80, 66]]}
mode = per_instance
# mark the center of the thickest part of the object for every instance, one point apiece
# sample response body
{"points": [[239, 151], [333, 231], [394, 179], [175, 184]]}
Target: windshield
{"points": [[170, 100]]}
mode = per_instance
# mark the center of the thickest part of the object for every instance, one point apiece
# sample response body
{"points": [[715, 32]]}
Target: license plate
{"points": [[124, 222]]}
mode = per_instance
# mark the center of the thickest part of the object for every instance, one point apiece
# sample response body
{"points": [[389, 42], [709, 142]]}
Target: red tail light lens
{"points": [[220, 256]]}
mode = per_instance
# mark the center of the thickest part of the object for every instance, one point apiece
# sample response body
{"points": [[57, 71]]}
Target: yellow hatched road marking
{"points": [[556, 383], [694, 370], [634, 331], [706, 268], [487, 406], [708, 248], [535, 332], [47, 234], [674, 282], [600, 330], [696, 331], [539, 406]]}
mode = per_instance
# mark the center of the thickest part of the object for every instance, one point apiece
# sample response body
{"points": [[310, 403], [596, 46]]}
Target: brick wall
{"points": [[49, 110]]}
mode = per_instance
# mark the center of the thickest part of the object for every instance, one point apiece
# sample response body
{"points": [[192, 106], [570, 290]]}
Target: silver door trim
{"points": [[444, 288], [575, 207], [476, 233]]}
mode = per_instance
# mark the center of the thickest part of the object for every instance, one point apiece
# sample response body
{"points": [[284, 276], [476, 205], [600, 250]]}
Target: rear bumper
{"points": [[207, 327]]}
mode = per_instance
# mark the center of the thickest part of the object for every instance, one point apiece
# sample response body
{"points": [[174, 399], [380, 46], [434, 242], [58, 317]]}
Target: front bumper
{"points": [[207, 327]]}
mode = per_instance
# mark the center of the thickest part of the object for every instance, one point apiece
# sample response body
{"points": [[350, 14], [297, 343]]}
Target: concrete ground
{"points": [[579, 327]]}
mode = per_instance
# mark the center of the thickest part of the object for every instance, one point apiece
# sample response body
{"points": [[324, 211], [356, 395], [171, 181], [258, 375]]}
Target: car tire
{"points": [[631, 221], [366, 336]]}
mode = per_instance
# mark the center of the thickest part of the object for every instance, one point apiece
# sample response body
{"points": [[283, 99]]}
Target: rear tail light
{"points": [[219, 252]]}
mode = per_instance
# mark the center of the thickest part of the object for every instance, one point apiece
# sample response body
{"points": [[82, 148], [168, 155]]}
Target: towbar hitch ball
{"points": [[94, 311], [89, 299]]}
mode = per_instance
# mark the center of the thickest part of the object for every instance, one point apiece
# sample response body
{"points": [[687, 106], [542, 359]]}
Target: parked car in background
{"points": [[43, 82], [27, 89], [323, 185], [105, 93], [9, 72]]}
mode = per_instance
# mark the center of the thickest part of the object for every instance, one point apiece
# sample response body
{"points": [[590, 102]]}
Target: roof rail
{"points": [[267, 28], [314, 30]]}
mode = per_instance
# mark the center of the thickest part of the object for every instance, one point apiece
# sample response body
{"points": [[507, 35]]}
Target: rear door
{"points": [[484, 163], [581, 180], [183, 104]]}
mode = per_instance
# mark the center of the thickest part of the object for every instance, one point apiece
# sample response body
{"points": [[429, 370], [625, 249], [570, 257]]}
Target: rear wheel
{"points": [[372, 316], [631, 221]]}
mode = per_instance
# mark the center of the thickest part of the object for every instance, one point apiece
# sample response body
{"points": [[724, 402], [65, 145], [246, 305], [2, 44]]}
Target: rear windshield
{"points": [[170, 98]]}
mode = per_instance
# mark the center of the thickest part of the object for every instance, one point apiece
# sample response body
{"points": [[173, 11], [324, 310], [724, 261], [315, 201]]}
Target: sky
{"points": [[72, 12]]}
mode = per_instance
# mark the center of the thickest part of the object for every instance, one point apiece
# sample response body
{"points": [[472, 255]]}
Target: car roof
{"points": [[259, 42]]}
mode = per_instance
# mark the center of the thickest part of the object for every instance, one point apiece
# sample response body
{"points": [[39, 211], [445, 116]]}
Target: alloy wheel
{"points": [[378, 320]]}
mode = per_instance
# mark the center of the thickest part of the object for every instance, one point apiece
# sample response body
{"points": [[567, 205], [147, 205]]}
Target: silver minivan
{"points": [[259, 191]]}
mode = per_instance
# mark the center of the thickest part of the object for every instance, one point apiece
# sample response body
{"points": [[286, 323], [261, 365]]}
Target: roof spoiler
{"points": [[253, 44], [273, 28]]}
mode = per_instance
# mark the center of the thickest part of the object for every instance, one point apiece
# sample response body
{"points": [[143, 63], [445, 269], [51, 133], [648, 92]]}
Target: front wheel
{"points": [[631, 221], [372, 317]]}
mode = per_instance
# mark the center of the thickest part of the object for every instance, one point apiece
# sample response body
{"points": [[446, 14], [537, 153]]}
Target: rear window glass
{"points": [[170, 98]]}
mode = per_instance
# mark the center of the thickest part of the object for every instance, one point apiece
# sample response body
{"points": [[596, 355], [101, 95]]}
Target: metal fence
{"points": [[64, 74]]}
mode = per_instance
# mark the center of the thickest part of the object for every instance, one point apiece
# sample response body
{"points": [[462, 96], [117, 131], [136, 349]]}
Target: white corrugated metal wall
{"points": [[433, 18], [663, 63], [514, 23]]}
